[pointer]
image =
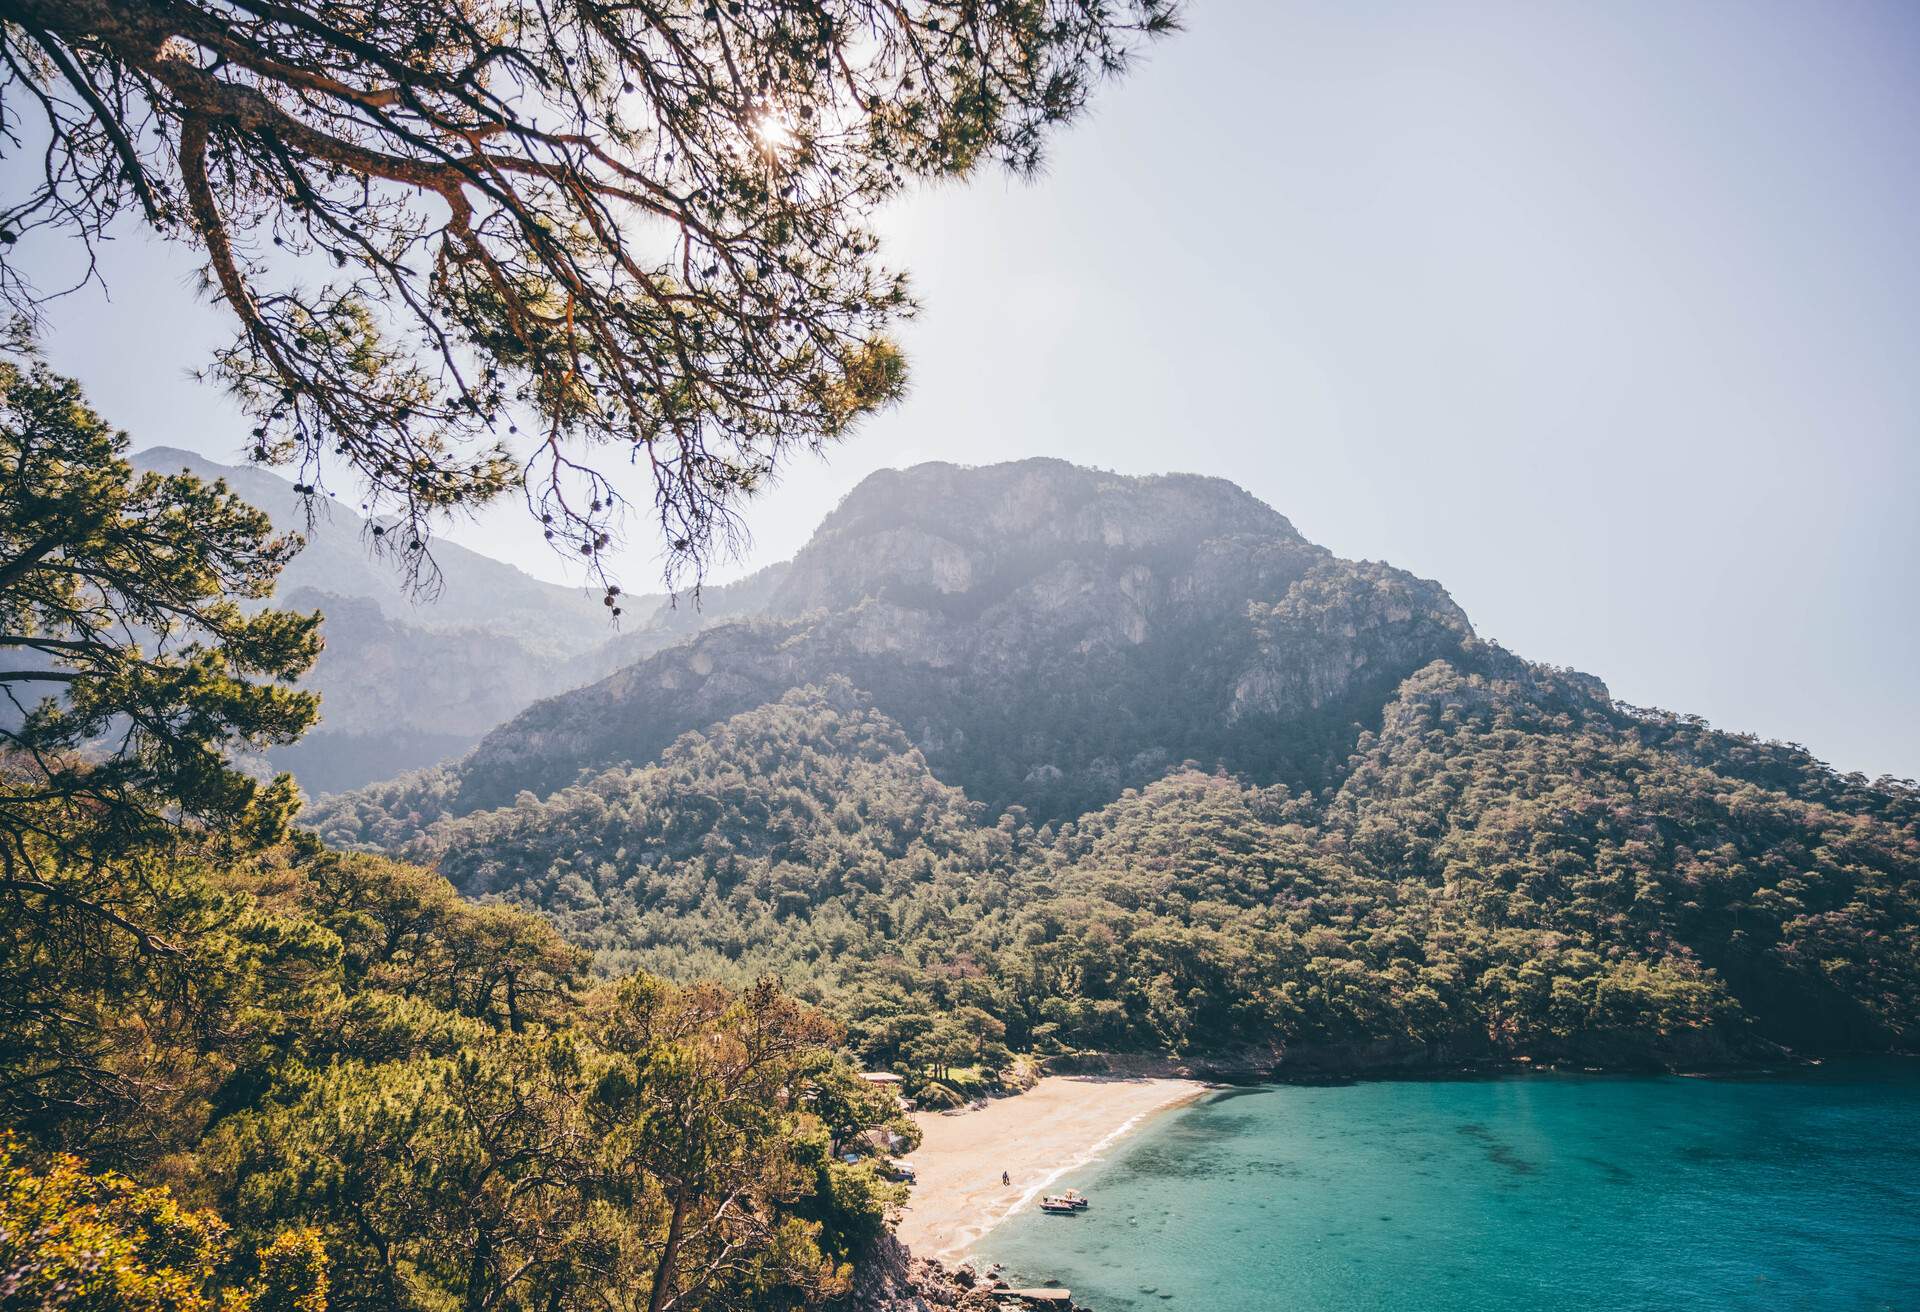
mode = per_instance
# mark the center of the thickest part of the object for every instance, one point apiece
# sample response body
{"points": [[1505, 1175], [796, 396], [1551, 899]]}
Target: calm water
{"points": [[1537, 1192]]}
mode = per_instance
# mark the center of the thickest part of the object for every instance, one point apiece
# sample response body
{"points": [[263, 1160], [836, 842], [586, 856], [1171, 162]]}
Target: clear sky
{"points": [[1605, 315]]}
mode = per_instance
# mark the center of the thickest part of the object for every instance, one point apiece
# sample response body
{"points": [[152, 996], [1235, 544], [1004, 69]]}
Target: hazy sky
{"points": [[1605, 315]]}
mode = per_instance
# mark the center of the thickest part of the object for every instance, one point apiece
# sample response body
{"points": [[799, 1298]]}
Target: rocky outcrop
{"points": [[1341, 629], [974, 537], [654, 624], [888, 1278]]}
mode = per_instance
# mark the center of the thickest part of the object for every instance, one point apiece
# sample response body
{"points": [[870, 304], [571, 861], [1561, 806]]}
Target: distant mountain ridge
{"points": [[473, 590], [409, 680]]}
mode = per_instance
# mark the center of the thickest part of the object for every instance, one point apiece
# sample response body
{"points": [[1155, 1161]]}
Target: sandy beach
{"points": [[1038, 1138]]}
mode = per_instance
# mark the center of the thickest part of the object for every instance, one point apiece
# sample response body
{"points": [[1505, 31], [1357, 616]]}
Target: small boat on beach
{"points": [[1059, 1206]]}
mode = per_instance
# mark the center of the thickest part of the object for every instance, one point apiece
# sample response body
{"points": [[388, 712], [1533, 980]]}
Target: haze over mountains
{"points": [[1126, 762], [408, 679]]}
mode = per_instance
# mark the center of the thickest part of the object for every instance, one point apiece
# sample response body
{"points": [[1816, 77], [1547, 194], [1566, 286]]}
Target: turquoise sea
{"points": [[1535, 1192]]}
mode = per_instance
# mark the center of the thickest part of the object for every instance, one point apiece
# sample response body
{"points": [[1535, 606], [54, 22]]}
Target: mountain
{"points": [[473, 591], [1510, 867], [405, 680], [1047, 636], [408, 679], [1119, 763]]}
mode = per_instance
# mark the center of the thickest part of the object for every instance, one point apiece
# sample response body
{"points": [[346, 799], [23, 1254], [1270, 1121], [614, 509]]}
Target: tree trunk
{"points": [[477, 1299], [663, 1274]]}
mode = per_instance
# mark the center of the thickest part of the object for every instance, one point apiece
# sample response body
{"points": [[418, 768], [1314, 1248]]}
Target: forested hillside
{"points": [[1267, 808], [1508, 869], [238, 1070], [1494, 860]]}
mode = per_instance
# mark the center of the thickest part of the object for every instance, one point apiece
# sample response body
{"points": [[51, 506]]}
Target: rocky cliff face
{"points": [[961, 541], [1048, 634]]}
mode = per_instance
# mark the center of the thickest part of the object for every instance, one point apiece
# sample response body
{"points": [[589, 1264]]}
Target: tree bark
{"points": [[477, 1300], [663, 1273]]}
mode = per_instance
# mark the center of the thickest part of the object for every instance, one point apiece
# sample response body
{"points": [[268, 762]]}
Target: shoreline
{"points": [[1350, 1067], [1066, 1122], [1060, 1125], [1606, 1151]]}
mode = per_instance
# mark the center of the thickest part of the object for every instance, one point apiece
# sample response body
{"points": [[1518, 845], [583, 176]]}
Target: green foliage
{"points": [[293, 1274], [694, 1105], [398, 1099], [659, 239], [1512, 865], [139, 658], [427, 1086], [79, 1242], [135, 668], [114, 1044]]}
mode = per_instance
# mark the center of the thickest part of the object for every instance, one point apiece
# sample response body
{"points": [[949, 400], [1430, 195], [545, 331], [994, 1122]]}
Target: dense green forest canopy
{"points": [[1511, 865], [131, 665], [240, 1070]]}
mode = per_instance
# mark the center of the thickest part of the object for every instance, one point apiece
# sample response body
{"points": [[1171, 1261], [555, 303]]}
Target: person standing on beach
{"points": [[1005, 1178]]}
